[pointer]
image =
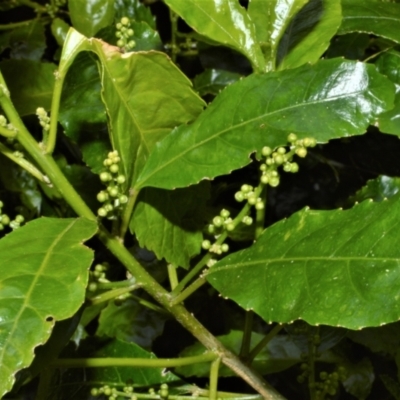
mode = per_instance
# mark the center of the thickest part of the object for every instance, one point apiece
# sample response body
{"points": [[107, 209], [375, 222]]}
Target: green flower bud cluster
{"points": [[5, 220], [4, 124], [113, 197], [111, 393], [98, 275], [124, 34], [44, 119], [163, 392], [330, 382], [53, 7], [283, 158], [247, 193]]}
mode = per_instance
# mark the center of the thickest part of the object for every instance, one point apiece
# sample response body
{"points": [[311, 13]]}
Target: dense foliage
{"points": [[198, 198]]}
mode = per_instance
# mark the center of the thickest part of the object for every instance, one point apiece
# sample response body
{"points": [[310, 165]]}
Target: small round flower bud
{"points": [[264, 179], [279, 159], [131, 44], [121, 43], [263, 167], [259, 205], [102, 196], [211, 228], [246, 188], [266, 151], [107, 162], [239, 196], [252, 200], [206, 244], [294, 167], [114, 192], [292, 138], [94, 392], [301, 152], [269, 161], [224, 213], [118, 25], [114, 168], [1, 227], [218, 221], [230, 227], [105, 177], [5, 219], [3, 121], [281, 150], [125, 21], [247, 220], [120, 179], [224, 248], [123, 199], [274, 181], [19, 219], [102, 212], [108, 207], [287, 167]]}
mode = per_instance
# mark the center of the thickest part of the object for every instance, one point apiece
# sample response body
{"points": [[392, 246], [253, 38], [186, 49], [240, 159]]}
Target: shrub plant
{"points": [[148, 190]]}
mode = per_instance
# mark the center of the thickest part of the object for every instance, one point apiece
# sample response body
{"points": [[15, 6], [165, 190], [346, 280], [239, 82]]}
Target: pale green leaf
{"points": [[371, 16], [225, 22], [271, 18], [88, 17], [43, 277], [169, 223], [264, 109], [338, 268], [146, 96], [309, 34]]}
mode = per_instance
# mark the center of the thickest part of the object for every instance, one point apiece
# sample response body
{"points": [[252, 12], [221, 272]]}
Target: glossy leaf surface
{"points": [[383, 187], [371, 16], [264, 109], [271, 18], [225, 22], [88, 17], [389, 64], [146, 37], [169, 223], [30, 83], [212, 81], [137, 92], [280, 354], [44, 272], [338, 268], [309, 34]]}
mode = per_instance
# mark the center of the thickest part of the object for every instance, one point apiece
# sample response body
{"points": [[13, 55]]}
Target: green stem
{"points": [[198, 283], [246, 340], [116, 285], [132, 362], [214, 379], [260, 214], [151, 305], [263, 342], [200, 265], [44, 384], [112, 294], [183, 316], [128, 211], [173, 276], [14, 25], [32, 4], [23, 163], [7, 132]]}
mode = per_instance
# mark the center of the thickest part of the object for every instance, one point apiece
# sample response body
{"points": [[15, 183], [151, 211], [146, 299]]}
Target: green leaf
{"points": [[223, 22], [131, 322], [378, 189], [389, 64], [371, 16], [30, 83], [145, 95], [169, 222], [44, 272], [338, 268], [280, 354], [264, 109], [28, 42], [309, 34], [360, 380], [271, 20], [146, 37], [88, 17], [212, 81], [86, 125]]}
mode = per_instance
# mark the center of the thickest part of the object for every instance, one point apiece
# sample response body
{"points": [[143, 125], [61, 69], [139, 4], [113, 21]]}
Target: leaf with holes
{"points": [[339, 268], [43, 277], [261, 110]]}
